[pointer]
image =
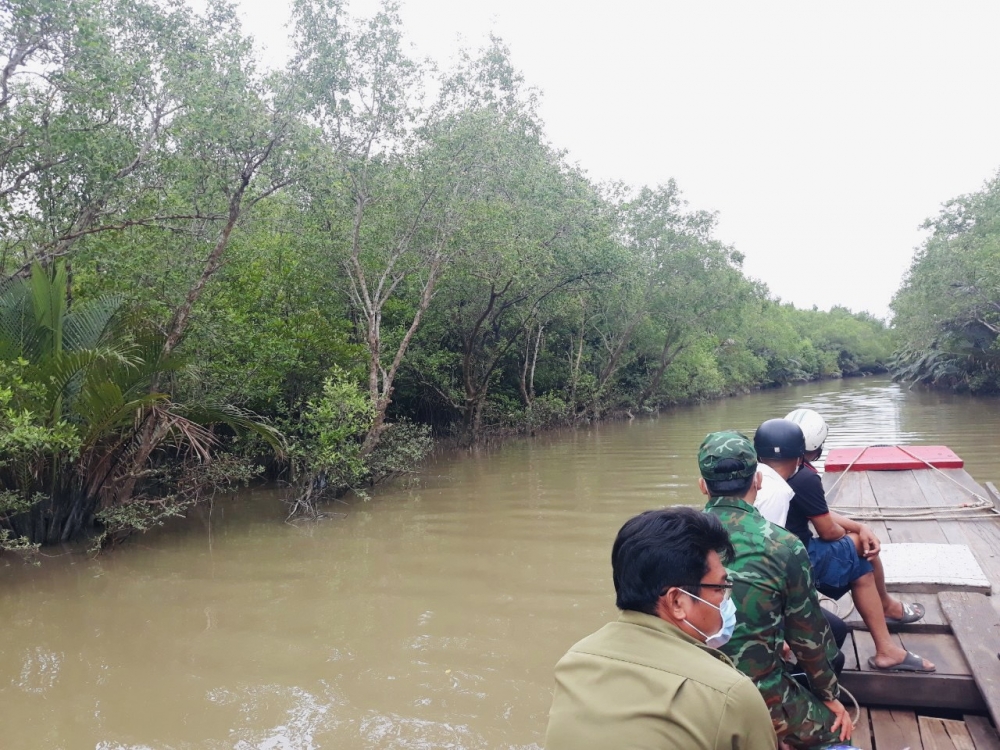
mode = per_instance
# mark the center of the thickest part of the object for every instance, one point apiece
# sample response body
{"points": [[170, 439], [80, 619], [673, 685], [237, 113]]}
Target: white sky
{"points": [[823, 133]]}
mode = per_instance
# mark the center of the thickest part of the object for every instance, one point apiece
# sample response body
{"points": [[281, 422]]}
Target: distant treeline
{"points": [[947, 311], [213, 272]]}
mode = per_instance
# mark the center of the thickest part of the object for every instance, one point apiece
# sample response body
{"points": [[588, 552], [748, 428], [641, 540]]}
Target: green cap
{"points": [[727, 457]]}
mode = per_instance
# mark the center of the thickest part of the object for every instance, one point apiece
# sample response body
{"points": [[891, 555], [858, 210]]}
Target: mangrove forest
{"points": [[213, 273]]}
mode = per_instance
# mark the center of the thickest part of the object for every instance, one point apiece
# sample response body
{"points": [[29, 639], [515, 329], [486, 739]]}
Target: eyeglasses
{"points": [[725, 588]]}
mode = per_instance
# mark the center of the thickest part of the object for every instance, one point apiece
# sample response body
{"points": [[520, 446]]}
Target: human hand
{"points": [[842, 720], [786, 651], [870, 544]]}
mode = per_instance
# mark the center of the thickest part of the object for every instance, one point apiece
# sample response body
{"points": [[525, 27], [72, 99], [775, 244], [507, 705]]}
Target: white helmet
{"points": [[813, 427]]}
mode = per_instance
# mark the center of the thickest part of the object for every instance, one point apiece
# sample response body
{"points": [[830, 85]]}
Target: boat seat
{"points": [[928, 568]]}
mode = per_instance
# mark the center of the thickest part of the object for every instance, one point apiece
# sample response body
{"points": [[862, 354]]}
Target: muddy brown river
{"points": [[429, 616]]}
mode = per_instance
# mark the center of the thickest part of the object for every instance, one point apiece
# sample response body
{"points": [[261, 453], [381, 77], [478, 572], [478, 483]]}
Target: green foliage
{"points": [[326, 449], [947, 311], [362, 264], [27, 448], [82, 412], [190, 482], [402, 447], [695, 374], [326, 446], [332, 426]]}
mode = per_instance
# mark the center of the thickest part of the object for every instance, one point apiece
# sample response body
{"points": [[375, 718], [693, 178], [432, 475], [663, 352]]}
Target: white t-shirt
{"points": [[773, 496]]}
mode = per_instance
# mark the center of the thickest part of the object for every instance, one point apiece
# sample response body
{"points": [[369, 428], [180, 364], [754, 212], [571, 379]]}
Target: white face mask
{"points": [[728, 612]]}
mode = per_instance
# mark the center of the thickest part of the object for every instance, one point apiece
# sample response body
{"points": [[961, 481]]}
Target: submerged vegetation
{"points": [[210, 273]]}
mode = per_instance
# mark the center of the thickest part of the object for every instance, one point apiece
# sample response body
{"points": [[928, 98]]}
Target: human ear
{"points": [[670, 607], [703, 486]]}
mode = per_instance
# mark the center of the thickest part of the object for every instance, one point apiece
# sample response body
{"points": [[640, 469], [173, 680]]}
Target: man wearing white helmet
{"points": [[845, 555]]}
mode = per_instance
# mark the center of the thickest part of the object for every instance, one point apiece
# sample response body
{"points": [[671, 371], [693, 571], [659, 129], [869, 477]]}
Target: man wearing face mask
{"points": [[773, 589], [653, 678]]}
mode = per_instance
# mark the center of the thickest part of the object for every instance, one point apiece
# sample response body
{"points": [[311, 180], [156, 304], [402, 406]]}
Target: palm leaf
{"points": [[92, 325], [48, 297], [240, 420], [104, 410], [63, 376], [18, 335]]}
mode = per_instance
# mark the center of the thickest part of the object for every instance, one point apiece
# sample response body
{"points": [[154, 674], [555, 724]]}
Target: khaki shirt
{"points": [[643, 684]]}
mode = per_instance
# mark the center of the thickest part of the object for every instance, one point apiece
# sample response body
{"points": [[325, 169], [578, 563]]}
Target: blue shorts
{"points": [[836, 565]]}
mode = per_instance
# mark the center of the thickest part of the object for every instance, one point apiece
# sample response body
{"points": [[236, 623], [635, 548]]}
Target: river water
{"points": [[429, 616]]}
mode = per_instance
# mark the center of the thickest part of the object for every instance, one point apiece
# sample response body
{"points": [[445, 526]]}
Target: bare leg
{"points": [[890, 607], [869, 604]]}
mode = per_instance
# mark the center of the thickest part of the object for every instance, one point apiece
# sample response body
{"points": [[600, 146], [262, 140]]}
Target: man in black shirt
{"points": [[845, 555]]}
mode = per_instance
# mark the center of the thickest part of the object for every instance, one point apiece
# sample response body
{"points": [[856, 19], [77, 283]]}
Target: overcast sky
{"points": [[824, 134]]}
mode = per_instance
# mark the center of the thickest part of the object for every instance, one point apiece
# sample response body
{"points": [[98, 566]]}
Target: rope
{"points": [[836, 606], [976, 495], [980, 509], [849, 694], [876, 516], [857, 708], [844, 472]]}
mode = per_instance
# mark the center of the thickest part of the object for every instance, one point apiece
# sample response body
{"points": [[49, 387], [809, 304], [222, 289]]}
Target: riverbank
{"points": [[518, 429]]}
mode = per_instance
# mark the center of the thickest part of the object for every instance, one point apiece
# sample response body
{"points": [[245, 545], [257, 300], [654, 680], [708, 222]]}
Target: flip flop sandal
{"points": [[911, 613], [912, 663]]}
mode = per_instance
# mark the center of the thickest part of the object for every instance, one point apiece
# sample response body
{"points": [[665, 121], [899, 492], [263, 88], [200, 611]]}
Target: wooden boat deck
{"points": [[960, 632], [899, 729]]}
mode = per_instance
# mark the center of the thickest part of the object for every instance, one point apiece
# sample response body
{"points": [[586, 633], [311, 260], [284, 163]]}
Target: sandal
{"points": [[911, 613], [912, 663]]}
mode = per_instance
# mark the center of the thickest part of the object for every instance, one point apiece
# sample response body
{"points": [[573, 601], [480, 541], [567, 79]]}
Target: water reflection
{"points": [[39, 670], [430, 616]]}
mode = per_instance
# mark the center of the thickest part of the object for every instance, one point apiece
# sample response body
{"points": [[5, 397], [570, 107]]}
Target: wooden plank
{"points": [[964, 478], [862, 735], [984, 736], [854, 490], [992, 494], [944, 734], [913, 690], [943, 650], [895, 730], [926, 690], [900, 489], [933, 620], [938, 490], [840, 488], [984, 541], [977, 629], [868, 500], [983, 536], [866, 647], [850, 653]]}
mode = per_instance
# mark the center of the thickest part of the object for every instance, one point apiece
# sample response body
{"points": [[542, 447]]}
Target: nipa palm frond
{"points": [[238, 419], [19, 337], [91, 325]]}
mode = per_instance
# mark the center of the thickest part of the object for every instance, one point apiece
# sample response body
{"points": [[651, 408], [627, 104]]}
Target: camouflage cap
{"points": [[727, 457]]}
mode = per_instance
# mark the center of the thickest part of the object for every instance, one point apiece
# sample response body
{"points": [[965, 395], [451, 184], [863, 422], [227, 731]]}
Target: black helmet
{"points": [[778, 439]]}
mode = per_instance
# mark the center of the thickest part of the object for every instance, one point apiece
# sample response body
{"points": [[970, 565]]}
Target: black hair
{"points": [[730, 487], [660, 549]]}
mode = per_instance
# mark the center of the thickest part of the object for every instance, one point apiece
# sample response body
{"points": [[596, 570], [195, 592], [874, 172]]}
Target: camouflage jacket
{"points": [[776, 601]]}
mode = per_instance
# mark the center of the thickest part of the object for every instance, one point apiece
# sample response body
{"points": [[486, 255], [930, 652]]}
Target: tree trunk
{"points": [[384, 396], [667, 356]]}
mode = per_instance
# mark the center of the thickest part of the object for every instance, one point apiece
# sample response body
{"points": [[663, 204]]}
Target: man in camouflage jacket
{"points": [[776, 602]]}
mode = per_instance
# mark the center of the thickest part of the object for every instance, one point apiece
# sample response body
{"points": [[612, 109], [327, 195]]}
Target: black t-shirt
{"points": [[809, 501]]}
